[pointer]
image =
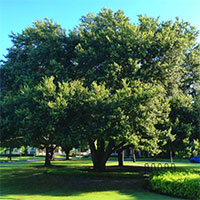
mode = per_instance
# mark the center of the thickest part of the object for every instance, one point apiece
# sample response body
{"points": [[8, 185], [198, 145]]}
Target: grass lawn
{"points": [[74, 180], [18, 158], [181, 165]]}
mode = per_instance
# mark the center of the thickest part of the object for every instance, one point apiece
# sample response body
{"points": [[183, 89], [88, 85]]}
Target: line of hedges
{"points": [[185, 184]]}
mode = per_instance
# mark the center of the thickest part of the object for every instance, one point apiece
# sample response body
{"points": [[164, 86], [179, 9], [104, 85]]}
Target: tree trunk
{"points": [[67, 150], [67, 154], [120, 158], [100, 165], [171, 157], [120, 152], [10, 153], [100, 154], [133, 155], [52, 150], [47, 157]]}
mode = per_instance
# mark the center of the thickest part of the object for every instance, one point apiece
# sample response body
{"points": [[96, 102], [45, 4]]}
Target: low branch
{"points": [[124, 147], [12, 139], [118, 146]]}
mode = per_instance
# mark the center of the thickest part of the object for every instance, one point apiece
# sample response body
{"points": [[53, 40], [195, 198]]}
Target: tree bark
{"points": [[52, 157], [120, 152], [47, 157], [10, 153], [67, 150], [100, 165], [101, 152], [133, 155], [171, 157], [52, 151], [100, 161], [120, 158], [67, 155], [100, 155]]}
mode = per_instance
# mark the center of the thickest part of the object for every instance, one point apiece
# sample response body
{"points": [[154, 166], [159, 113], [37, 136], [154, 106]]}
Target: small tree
{"points": [[10, 126], [39, 121], [40, 50]]}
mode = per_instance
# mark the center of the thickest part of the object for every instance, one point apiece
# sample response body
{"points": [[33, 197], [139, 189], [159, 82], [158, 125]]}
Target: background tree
{"points": [[39, 51], [10, 123], [195, 144], [39, 121], [181, 121]]}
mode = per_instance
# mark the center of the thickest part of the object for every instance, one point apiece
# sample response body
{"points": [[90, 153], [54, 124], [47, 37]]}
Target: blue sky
{"points": [[16, 15]]}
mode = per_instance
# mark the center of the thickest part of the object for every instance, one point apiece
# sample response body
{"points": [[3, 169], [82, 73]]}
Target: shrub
{"points": [[184, 184]]}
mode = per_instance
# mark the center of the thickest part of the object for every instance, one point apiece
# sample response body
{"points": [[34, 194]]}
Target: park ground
{"points": [[75, 180]]}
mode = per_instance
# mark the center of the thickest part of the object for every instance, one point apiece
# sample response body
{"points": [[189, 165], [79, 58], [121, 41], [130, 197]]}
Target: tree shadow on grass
{"points": [[68, 181]]}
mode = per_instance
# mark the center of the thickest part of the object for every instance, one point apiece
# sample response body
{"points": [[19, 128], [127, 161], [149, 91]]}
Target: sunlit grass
{"points": [[177, 164], [18, 158], [107, 195], [73, 180]]}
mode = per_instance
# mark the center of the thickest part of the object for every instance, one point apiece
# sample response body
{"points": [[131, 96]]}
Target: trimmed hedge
{"points": [[185, 184]]}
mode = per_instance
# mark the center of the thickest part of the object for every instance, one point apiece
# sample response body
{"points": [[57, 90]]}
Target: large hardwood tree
{"points": [[123, 80]]}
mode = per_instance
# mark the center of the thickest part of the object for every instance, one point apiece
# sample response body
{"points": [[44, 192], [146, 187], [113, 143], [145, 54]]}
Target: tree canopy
{"points": [[108, 82]]}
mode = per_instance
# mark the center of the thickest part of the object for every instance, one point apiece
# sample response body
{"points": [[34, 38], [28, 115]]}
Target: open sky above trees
{"points": [[16, 15]]}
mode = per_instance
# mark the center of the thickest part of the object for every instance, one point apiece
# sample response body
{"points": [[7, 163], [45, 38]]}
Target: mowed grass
{"points": [[74, 180], [18, 158], [179, 165]]}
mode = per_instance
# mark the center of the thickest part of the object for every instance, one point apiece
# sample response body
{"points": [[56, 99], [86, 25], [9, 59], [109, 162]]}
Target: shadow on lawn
{"points": [[61, 179], [65, 181]]}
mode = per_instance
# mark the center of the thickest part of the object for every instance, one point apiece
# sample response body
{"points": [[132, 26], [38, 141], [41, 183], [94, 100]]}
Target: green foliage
{"points": [[184, 122], [147, 109], [36, 52], [196, 130], [111, 48], [184, 184], [137, 112], [39, 120], [24, 150], [10, 122], [166, 54], [109, 82], [2, 149], [192, 72]]}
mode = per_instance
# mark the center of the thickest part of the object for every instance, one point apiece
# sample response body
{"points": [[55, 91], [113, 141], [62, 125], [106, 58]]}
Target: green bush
{"points": [[184, 184]]}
